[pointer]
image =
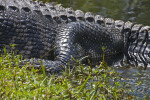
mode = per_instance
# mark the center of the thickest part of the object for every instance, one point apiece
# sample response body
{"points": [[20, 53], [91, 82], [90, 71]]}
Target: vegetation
{"points": [[83, 82]]}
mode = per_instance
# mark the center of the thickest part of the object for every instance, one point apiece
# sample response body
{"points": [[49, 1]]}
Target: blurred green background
{"points": [[137, 11]]}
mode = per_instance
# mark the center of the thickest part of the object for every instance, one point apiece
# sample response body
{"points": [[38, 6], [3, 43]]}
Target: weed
{"points": [[82, 82]]}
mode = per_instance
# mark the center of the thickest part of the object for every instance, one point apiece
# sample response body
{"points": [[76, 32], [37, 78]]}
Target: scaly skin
{"points": [[54, 34]]}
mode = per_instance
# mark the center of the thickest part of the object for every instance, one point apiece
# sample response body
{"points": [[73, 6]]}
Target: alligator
{"points": [[55, 35]]}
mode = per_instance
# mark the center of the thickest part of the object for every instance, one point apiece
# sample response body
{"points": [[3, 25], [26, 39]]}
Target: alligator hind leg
{"points": [[86, 35]]}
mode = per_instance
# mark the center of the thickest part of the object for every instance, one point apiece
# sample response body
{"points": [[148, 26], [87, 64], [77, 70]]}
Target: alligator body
{"points": [[54, 34]]}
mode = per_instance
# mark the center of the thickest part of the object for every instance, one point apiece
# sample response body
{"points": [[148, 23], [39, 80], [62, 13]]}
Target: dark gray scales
{"points": [[33, 33], [54, 34]]}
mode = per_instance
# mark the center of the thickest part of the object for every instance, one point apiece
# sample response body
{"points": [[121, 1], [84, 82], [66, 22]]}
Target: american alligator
{"points": [[53, 34]]}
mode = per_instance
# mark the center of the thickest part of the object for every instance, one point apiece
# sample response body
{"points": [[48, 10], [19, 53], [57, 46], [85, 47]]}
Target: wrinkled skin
{"points": [[53, 34]]}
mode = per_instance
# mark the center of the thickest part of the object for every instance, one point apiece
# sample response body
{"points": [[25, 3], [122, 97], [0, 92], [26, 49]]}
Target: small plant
{"points": [[83, 82]]}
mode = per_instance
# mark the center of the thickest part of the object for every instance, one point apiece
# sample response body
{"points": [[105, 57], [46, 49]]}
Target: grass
{"points": [[83, 82]]}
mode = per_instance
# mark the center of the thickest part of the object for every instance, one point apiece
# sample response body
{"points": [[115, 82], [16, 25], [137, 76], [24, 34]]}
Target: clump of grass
{"points": [[83, 82]]}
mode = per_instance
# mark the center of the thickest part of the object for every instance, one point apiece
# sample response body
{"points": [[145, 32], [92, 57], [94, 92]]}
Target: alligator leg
{"points": [[90, 37]]}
